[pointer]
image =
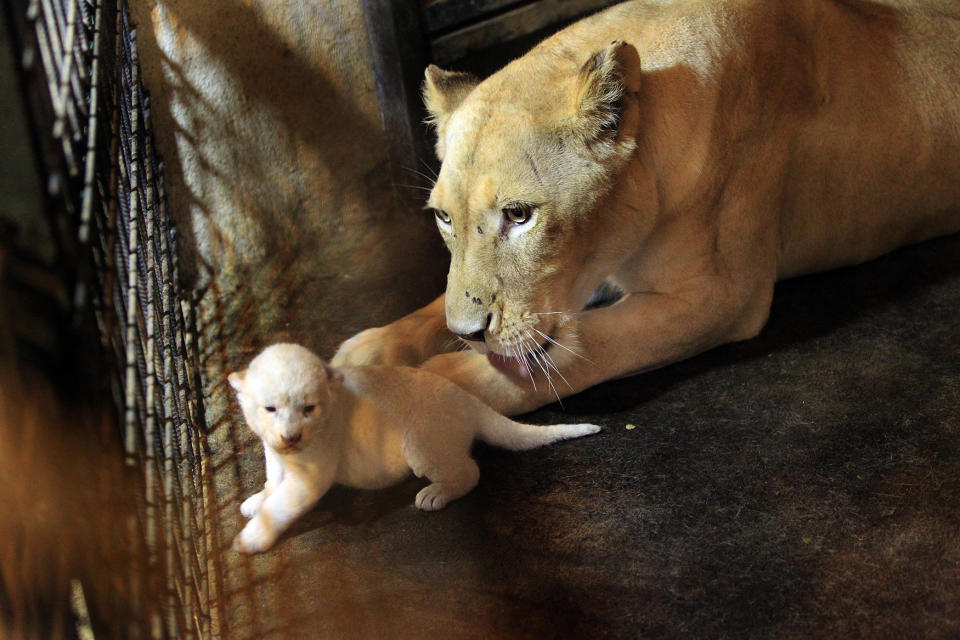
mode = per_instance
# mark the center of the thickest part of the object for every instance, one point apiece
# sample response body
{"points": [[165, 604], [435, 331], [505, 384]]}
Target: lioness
{"points": [[690, 153]]}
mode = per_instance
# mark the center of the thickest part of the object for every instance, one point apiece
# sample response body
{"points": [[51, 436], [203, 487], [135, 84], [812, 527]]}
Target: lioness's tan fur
{"points": [[692, 153]]}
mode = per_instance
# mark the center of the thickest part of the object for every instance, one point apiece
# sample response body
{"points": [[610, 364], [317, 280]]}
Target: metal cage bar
{"points": [[106, 195]]}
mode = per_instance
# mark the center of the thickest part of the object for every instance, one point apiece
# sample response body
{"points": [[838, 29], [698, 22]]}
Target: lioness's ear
{"points": [[443, 91], [608, 78], [238, 380]]}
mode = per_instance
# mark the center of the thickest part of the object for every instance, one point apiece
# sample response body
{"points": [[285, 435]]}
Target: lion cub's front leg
{"points": [[294, 496], [409, 341], [252, 505]]}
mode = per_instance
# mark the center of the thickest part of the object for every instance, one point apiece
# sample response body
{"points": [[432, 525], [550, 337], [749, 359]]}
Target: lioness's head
{"points": [[285, 395], [527, 157]]}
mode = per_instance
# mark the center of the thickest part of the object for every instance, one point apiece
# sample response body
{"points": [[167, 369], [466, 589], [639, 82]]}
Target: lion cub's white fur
{"points": [[364, 427]]}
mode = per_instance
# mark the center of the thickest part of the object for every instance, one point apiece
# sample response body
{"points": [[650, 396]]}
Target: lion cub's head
{"points": [[528, 156], [285, 395]]}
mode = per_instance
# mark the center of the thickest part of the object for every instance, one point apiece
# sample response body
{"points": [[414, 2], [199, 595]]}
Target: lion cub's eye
{"points": [[442, 216], [307, 410], [517, 214], [270, 409]]}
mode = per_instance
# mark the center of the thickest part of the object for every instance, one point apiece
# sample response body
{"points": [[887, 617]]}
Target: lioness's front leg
{"points": [[409, 341], [641, 332]]}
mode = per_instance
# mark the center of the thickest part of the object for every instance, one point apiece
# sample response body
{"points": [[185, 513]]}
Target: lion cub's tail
{"points": [[508, 434]]}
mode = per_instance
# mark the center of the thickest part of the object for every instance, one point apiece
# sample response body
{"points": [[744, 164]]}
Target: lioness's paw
{"points": [[255, 537], [361, 349], [252, 505], [431, 498], [379, 345]]}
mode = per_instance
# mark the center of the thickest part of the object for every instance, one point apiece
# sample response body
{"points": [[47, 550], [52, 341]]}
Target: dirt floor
{"points": [[804, 484]]}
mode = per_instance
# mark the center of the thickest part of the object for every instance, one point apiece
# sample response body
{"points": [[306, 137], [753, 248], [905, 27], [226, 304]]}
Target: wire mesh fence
{"points": [[91, 124]]}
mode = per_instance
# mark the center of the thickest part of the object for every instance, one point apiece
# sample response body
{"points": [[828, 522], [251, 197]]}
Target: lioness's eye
{"points": [[442, 216], [270, 409], [307, 410], [517, 214]]}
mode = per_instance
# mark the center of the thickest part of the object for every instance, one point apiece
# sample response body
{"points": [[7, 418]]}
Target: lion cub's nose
{"points": [[291, 440]]}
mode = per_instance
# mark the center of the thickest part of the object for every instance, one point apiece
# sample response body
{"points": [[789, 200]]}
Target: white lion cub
{"points": [[364, 427]]}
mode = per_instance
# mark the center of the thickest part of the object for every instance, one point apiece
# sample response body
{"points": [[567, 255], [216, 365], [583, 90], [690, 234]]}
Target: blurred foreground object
{"points": [[105, 519]]}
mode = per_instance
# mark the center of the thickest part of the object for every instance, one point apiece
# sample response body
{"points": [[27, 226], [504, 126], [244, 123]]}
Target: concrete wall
{"points": [[265, 113]]}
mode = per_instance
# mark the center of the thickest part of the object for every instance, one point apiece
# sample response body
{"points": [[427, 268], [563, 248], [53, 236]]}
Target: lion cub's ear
{"points": [[604, 83], [443, 91], [238, 380]]}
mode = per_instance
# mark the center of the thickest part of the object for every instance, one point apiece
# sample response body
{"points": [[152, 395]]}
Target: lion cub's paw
{"points": [[432, 498], [252, 505], [254, 538]]}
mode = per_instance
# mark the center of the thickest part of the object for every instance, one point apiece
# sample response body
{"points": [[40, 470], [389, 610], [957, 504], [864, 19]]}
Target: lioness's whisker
{"points": [[557, 370], [528, 355], [429, 168], [515, 349], [546, 372], [551, 364], [456, 344], [556, 392], [562, 346], [531, 353], [548, 359], [542, 359], [413, 186], [432, 180]]}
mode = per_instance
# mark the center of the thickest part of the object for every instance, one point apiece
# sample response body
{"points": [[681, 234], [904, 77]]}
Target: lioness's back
{"points": [[884, 144], [864, 97]]}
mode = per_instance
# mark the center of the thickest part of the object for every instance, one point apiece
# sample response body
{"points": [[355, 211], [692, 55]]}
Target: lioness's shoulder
{"points": [[694, 33]]}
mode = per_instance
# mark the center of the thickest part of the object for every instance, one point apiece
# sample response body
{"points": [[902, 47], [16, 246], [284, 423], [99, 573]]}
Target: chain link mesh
{"points": [[105, 191]]}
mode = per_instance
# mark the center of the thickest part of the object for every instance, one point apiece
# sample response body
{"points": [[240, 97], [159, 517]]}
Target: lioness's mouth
{"points": [[521, 366]]}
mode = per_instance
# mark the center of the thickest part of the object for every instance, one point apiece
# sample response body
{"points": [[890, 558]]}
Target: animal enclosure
{"points": [[115, 270], [800, 484]]}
